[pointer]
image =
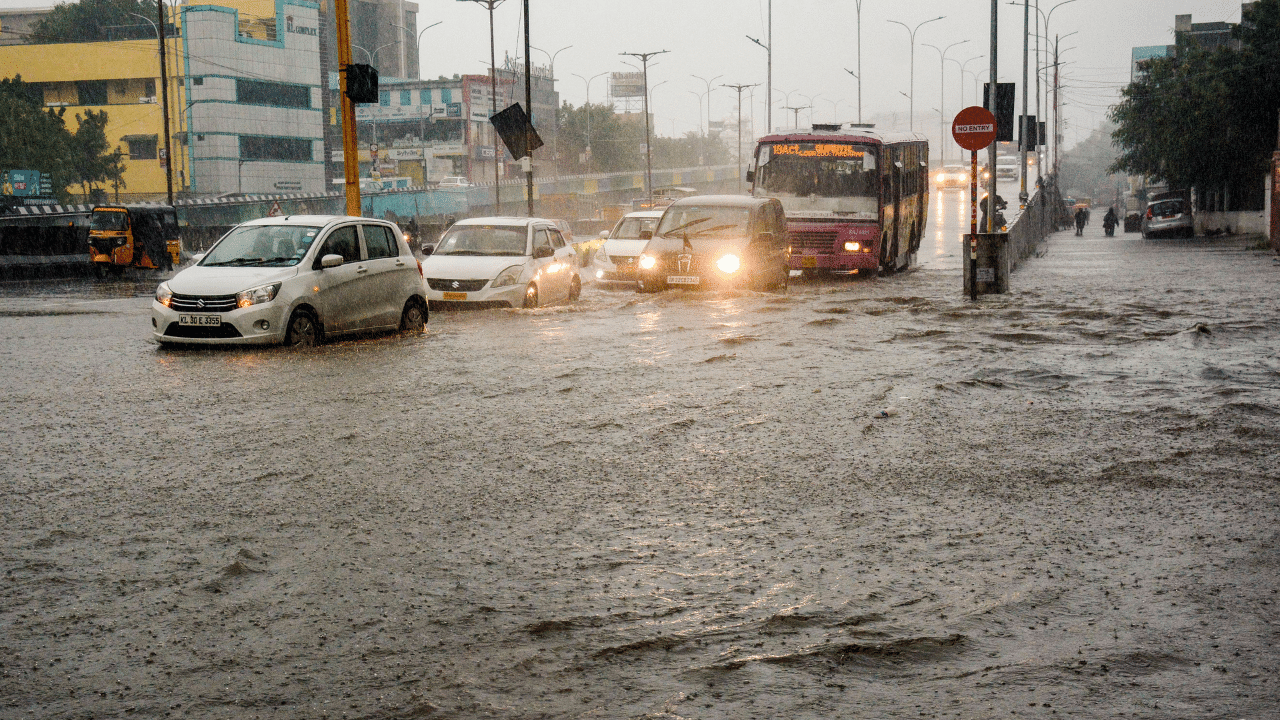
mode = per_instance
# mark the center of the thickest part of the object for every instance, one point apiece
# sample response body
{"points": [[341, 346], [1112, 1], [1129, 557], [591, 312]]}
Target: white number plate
{"points": [[683, 279], [200, 320]]}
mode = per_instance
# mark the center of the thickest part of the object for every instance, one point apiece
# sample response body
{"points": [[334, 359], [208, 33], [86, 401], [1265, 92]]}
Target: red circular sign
{"points": [[974, 128]]}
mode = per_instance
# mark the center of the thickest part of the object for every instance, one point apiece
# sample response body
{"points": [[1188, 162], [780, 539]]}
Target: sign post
{"points": [[973, 129]]}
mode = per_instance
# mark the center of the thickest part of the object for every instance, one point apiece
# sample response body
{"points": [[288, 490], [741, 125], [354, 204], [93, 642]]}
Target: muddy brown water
{"points": [[671, 506]]}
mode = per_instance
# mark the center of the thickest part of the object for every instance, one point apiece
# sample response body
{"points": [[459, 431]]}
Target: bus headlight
{"points": [[852, 247], [729, 264], [647, 262]]}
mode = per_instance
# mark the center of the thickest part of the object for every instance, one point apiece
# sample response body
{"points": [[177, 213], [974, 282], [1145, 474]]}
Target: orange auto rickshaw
{"points": [[137, 236]]}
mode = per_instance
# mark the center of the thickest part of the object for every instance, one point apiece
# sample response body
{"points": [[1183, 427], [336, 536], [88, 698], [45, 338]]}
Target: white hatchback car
{"points": [[294, 280], [502, 261], [615, 261]]}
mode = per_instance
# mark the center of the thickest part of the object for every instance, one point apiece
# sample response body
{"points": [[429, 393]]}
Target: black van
{"points": [[714, 241]]}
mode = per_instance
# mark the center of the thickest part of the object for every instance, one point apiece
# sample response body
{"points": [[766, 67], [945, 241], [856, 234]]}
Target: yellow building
{"points": [[121, 78]]}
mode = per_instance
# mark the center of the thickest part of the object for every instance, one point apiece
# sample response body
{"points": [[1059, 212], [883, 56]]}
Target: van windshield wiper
{"points": [[678, 228]]}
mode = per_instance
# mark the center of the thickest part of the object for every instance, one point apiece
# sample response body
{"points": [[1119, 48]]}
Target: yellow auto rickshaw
{"points": [[138, 236]]}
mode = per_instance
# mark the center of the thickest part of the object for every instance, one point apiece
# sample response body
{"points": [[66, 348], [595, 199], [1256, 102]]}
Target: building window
{"points": [[92, 92], [141, 147], [261, 92], [197, 81], [275, 148], [424, 96], [384, 98], [446, 95], [406, 97]]}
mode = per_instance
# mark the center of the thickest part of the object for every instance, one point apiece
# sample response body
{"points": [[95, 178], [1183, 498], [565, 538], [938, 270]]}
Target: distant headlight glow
{"points": [[729, 264], [647, 262]]}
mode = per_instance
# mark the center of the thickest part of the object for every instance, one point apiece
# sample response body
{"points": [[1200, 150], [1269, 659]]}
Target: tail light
{"points": [[1149, 215]]}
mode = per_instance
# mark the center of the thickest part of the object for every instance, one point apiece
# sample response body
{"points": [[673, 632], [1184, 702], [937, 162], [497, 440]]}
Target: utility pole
{"points": [[768, 78], [648, 140], [859, 75], [991, 105], [1022, 135], [739, 88], [795, 124], [528, 100], [493, 97], [164, 99]]}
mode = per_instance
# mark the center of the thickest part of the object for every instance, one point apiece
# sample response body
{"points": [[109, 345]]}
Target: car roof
{"points": [[504, 220], [644, 214], [308, 220], [724, 200]]}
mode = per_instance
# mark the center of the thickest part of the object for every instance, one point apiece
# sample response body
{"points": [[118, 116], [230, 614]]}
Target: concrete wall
{"points": [[1241, 221]]}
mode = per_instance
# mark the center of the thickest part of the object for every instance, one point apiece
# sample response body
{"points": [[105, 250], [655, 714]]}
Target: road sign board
{"points": [[974, 128], [275, 210]]}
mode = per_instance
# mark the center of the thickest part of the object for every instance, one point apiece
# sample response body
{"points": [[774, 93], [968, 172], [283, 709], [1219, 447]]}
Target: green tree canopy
{"points": [[96, 21], [1205, 118]]}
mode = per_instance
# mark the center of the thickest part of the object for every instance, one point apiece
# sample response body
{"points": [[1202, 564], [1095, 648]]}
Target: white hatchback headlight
{"points": [[164, 295], [507, 277], [729, 264], [257, 296], [647, 262]]}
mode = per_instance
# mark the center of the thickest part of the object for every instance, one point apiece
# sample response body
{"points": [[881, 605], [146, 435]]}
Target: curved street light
{"points": [[587, 82], [374, 54], [417, 43], [942, 100], [912, 32]]}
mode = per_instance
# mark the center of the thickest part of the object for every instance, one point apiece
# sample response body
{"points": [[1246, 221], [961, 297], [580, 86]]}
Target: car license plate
{"points": [[455, 296], [683, 279], [809, 262], [200, 320]]}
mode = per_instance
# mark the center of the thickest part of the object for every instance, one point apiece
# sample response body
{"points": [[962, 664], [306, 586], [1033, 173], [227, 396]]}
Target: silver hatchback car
{"points": [[294, 280], [1170, 217]]}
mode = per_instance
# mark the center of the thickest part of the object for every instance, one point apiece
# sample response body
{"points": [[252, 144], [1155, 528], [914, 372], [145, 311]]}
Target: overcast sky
{"points": [[814, 42]]}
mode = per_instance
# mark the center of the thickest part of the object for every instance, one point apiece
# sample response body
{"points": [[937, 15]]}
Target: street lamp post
{"points": [[942, 99], [739, 88], [812, 99], [795, 123], [768, 49], [418, 44], [164, 96], [859, 75], [587, 82], [555, 139], [1042, 15], [912, 33], [493, 101], [835, 104], [648, 140], [962, 66]]}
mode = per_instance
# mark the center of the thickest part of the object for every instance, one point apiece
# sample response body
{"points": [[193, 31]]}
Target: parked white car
{"points": [[615, 261], [294, 280], [454, 182], [503, 262]]}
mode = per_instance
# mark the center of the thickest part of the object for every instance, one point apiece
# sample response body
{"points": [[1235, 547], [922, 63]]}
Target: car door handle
{"points": [[361, 269]]}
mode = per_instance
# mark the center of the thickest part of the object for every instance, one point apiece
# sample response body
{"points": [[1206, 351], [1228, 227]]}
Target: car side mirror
{"points": [[329, 261], [427, 249], [543, 251], [604, 234], [751, 176], [646, 234]]}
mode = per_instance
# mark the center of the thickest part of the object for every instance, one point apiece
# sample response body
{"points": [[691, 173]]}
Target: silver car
{"points": [[294, 280], [502, 262], [615, 261], [1171, 217]]}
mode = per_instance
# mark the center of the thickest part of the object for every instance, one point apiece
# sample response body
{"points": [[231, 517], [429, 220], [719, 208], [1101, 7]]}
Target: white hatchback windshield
{"points": [[262, 245], [484, 240]]}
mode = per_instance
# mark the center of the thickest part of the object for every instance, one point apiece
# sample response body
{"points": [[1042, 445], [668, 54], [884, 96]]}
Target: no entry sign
{"points": [[974, 128]]}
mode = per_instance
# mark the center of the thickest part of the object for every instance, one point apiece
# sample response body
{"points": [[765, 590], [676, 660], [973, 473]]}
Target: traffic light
{"points": [[362, 83]]}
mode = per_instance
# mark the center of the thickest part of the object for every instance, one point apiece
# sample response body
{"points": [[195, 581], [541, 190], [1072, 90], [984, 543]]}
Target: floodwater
{"points": [[860, 499]]}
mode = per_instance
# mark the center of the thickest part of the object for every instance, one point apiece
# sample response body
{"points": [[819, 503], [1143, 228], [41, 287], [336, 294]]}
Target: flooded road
{"points": [[860, 499]]}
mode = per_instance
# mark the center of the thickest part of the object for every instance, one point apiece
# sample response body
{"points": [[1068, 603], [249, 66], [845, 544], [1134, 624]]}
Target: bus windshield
{"points": [[819, 177]]}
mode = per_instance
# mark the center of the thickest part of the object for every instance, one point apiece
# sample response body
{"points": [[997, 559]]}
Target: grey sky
{"points": [[813, 41]]}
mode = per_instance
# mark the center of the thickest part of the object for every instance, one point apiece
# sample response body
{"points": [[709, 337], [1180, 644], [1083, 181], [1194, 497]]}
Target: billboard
{"points": [[626, 85]]}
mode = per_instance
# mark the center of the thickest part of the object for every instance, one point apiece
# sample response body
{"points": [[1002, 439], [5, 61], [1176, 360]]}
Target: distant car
{"points": [[715, 241], [952, 176], [296, 280], [1007, 168], [615, 260], [1170, 217], [454, 182], [502, 262]]}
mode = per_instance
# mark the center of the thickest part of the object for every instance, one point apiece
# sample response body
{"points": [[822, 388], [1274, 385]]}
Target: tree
{"points": [[616, 146], [1205, 119], [96, 21], [36, 138]]}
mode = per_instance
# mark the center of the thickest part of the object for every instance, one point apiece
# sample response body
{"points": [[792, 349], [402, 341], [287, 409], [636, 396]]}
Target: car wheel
{"points": [[531, 296], [303, 330], [414, 317], [575, 289]]}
